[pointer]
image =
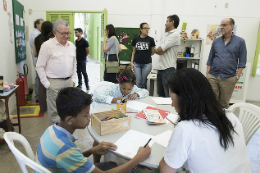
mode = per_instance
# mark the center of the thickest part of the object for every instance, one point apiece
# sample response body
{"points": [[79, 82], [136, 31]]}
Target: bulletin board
{"points": [[19, 31], [125, 37]]}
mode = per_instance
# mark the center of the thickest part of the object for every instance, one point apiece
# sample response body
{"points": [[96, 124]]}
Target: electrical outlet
{"points": [[226, 5]]}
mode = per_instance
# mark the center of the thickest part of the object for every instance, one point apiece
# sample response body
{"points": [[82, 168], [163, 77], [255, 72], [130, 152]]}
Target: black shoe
{"points": [[37, 101], [87, 87], [79, 86]]}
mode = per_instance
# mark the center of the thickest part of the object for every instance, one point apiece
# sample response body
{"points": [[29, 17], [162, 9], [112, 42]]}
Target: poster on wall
{"points": [[213, 32], [240, 90], [19, 30]]}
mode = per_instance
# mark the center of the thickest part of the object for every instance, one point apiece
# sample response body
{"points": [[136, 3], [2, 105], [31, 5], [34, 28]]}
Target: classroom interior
{"points": [[126, 14]]}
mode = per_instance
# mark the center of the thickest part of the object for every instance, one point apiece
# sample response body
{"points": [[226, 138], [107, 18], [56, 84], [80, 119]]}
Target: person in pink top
{"points": [[56, 65]]}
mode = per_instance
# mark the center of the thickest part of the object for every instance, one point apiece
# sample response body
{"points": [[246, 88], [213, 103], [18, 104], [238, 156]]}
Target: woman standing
{"points": [[111, 48], [208, 138], [46, 34], [141, 61]]}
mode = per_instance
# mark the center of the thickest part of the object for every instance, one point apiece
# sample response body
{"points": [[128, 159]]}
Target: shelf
{"points": [[179, 57]]}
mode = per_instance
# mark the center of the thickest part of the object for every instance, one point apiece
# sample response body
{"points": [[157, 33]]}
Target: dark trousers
{"points": [[42, 97], [81, 69], [162, 81]]}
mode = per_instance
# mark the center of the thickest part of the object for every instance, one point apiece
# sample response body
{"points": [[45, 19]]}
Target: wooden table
{"points": [[6, 96]]}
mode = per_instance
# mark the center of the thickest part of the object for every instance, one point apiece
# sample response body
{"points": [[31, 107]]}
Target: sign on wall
{"points": [[19, 34]]}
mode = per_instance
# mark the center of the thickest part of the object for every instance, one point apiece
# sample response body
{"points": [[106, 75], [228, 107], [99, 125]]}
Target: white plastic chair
{"points": [[23, 160], [98, 87], [249, 116]]}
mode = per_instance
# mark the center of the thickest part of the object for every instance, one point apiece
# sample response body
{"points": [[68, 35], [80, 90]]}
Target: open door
{"points": [[103, 35], [69, 17]]}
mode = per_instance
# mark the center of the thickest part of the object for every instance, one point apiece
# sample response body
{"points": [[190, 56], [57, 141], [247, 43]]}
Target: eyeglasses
{"points": [[64, 33], [146, 28], [223, 25]]}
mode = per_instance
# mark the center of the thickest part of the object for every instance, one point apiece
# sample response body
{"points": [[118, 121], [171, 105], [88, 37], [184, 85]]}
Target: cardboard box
{"points": [[110, 126]]}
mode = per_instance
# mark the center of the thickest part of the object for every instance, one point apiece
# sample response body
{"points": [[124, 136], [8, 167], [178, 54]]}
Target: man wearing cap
{"points": [[82, 50]]}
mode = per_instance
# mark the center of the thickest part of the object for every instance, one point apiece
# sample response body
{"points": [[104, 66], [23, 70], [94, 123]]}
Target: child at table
{"points": [[57, 151], [126, 89]]}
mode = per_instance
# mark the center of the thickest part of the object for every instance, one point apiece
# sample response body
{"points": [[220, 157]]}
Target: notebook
{"points": [[153, 116], [163, 113]]}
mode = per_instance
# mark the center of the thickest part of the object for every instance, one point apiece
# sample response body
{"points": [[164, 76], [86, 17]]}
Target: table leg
{"points": [[18, 111], [7, 115]]}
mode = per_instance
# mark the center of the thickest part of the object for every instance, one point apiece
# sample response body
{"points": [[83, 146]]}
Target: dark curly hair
{"points": [[71, 101], [126, 76]]}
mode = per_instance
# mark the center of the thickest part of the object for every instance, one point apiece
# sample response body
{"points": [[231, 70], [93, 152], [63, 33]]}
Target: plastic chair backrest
{"points": [[97, 88], [249, 116], [23, 160]]}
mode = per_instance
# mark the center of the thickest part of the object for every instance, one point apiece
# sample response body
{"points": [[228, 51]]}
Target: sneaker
{"points": [[79, 86]]}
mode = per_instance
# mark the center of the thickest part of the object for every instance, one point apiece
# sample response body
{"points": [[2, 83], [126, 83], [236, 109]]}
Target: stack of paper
{"points": [[162, 100], [139, 106], [129, 144]]}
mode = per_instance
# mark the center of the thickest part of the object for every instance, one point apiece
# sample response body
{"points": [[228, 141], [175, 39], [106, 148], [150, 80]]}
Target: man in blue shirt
{"points": [[227, 59]]}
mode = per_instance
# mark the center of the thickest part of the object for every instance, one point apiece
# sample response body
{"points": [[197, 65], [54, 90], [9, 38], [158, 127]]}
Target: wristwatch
{"points": [[237, 77]]}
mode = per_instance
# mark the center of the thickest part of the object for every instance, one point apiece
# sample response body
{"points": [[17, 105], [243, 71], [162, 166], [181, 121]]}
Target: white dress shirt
{"points": [[170, 42], [34, 34], [56, 61]]}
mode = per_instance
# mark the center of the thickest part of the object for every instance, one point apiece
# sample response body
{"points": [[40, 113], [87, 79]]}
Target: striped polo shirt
{"points": [[58, 153]]}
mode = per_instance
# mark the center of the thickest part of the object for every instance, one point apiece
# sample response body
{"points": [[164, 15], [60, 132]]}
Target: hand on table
{"points": [[102, 148], [143, 153], [133, 96]]}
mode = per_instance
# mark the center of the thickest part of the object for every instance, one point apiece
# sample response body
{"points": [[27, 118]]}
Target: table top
{"points": [[138, 125], [5, 94]]}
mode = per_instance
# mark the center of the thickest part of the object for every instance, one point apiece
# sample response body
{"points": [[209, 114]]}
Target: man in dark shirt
{"points": [[82, 50], [227, 59]]}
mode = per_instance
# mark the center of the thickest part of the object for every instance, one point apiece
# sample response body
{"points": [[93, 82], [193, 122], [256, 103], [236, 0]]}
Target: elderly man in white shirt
{"points": [[34, 34], [167, 51], [56, 65]]}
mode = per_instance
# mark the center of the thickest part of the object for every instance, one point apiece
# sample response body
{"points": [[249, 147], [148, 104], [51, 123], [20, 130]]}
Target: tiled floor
{"points": [[33, 128]]}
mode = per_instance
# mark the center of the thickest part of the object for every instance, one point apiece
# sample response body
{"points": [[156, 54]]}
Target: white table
{"points": [[138, 125]]}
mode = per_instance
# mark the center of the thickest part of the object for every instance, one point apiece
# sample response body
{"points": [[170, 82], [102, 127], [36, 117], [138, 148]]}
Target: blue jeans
{"points": [[163, 77], [141, 73], [81, 68], [36, 86]]}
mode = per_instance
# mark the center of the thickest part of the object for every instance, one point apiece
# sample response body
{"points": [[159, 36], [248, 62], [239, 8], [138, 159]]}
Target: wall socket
{"points": [[226, 5]]}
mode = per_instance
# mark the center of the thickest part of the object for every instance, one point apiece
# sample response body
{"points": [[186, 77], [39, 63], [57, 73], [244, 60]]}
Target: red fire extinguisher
{"points": [[21, 93]]}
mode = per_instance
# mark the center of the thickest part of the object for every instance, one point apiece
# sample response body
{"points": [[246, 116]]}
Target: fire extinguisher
{"points": [[21, 92]]}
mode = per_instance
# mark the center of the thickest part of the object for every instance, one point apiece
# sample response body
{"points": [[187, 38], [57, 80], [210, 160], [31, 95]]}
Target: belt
{"points": [[66, 78]]}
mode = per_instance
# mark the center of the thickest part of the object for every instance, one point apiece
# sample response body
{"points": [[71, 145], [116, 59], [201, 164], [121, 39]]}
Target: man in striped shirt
{"points": [[57, 151], [167, 51]]}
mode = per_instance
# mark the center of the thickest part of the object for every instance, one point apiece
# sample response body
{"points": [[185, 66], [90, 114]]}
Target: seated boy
{"points": [[57, 151]]}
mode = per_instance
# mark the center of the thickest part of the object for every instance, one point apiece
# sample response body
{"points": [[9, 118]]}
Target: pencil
{"points": [[147, 142]]}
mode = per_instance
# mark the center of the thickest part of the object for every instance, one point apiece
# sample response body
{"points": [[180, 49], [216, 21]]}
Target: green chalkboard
{"points": [[19, 35], [125, 37]]}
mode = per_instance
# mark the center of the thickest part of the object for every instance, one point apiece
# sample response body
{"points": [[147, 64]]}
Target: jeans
{"points": [[36, 86], [141, 73], [162, 81], [81, 68]]}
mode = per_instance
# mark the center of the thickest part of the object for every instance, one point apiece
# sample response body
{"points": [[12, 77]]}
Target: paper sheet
{"points": [[139, 106], [130, 142], [163, 138], [173, 118], [162, 100]]}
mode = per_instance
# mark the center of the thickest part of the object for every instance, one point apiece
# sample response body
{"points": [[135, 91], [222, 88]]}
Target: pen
{"points": [[147, 142]]}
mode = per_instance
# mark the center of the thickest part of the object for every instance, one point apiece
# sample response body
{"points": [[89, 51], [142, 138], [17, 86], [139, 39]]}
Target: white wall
{"points": [[8, 66], [122, 13]]}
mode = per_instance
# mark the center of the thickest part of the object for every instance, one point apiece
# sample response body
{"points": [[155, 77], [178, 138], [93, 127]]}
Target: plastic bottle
{"points": [[192, 50]]}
